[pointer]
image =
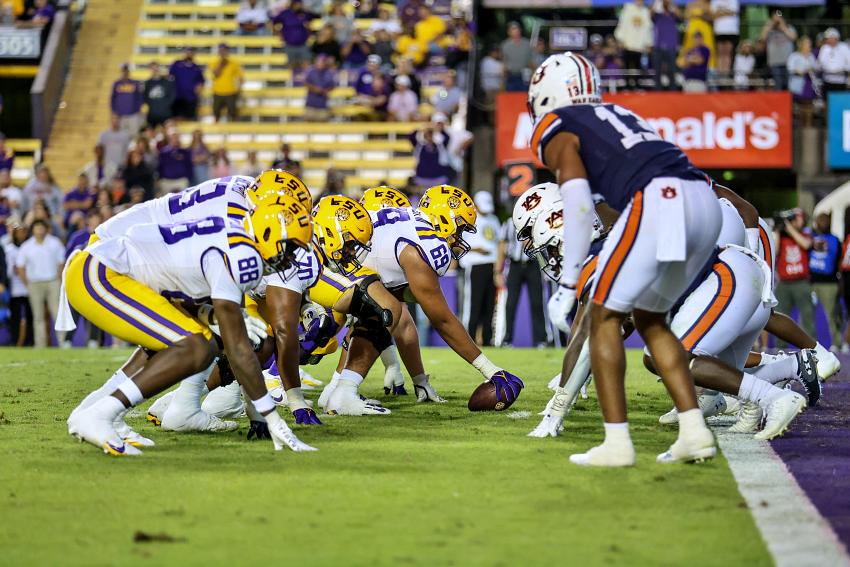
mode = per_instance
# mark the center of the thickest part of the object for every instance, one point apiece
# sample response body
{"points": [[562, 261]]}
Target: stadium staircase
{"points": [[273, 100], [105, 41]]}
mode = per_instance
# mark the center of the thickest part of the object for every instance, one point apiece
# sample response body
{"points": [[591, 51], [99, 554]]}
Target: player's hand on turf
{"points": [[560, 305], [282, 436], [258, 430], [508, 386], [306, 416], [425, 392]]}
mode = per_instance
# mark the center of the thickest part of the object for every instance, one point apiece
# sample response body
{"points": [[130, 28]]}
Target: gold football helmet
{"points": [[382, 197], [280, 228], [343, 232], [451, 212], [273, 182]]}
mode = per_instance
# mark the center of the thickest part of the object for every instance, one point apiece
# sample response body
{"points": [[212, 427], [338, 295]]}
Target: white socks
{"points": [[108, 408], [191, 389], [617, 433], [776, 371], [759, 391], [691, 420], [108, 387], [350, 377]]}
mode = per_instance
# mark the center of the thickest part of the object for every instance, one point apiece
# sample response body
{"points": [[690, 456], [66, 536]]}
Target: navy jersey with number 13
{"points": [[621, 152]]}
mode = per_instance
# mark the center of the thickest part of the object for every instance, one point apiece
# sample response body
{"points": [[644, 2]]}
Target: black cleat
{"points": [[807, 374]]}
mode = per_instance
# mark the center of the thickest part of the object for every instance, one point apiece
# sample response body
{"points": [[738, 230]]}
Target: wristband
{"points": [[264, 405], [483, 365]]}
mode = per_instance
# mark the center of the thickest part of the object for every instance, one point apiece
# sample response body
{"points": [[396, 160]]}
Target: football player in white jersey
{"points": [[120, 283], [412, 248]]}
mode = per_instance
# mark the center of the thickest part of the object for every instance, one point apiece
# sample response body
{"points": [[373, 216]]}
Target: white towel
{"points": [[65, 319], [666, 196]]}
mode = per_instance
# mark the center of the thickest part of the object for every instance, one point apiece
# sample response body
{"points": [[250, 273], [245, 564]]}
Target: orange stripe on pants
{"points": [[621, 251], [586, 273], [765, 244], [714, 310]]}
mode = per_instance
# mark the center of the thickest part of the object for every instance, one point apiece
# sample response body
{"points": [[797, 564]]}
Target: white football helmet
{"points": [[539, 198], [547, 239], [563, 79]]}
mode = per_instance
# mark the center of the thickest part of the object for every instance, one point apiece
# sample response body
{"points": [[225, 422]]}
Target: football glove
{"points": [[257, 328], [560, 305], [258, 430], [282, 436], [306, 416], [508, 386]]}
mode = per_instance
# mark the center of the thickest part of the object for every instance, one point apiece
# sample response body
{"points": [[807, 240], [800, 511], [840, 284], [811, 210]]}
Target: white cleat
{"points": [[183, 418], [225, 402], [710, 404], [606, 455], [733, 405], [697, 447], [749, 419], [128, 434], [670, 417], [307, 380], [90, 427], [425, 392], [780, 414], [554, 382], [828, 365], [158, 408], [345, 401]]}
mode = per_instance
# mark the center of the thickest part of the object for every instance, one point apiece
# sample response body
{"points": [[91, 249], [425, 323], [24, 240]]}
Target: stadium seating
{"points": [[27, 154]]}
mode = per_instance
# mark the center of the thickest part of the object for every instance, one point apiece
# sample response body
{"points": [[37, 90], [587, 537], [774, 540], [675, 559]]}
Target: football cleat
{"points": [[158, 408], [425, 392], [225, 402], [749, 418], [733, 405], [827, 365], [93, 428], [128, 434], [697, 447], [609, 454], [307, 380], [807, 374], [710, 404], [780, 414], [346, 401], [183, 418]]}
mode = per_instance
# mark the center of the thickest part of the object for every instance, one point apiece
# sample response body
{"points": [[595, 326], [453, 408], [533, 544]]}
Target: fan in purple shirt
{"points": [[188, 81], [80, 198]]}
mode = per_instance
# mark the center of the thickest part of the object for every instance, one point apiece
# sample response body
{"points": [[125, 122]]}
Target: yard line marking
{"points": [[794, 531]]}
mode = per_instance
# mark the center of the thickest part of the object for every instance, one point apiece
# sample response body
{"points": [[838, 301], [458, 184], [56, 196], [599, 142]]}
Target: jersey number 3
{"points": [[628, 137]]}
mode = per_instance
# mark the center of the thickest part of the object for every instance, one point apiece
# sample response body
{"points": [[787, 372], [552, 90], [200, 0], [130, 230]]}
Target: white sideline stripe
{"points": [[795, 532]]}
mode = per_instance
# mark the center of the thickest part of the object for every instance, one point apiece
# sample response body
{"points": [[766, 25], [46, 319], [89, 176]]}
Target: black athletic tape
{"points": [[363, 306]]}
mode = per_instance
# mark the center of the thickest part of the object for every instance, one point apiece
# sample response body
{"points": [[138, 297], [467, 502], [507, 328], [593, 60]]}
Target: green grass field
{"points": [[427, 485]]}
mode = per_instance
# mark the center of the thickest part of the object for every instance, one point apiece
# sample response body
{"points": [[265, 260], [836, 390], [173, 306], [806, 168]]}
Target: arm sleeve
{"points": [[578, 228], [217, 274]]}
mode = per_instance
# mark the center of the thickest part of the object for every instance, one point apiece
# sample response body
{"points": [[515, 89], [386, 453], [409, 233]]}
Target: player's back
{"points": [[395, 229], [170, 258], [621, 152], [223, 196]]}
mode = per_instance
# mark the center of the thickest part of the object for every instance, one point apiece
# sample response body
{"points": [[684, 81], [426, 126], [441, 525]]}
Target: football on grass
{"points": [[484, 399]]}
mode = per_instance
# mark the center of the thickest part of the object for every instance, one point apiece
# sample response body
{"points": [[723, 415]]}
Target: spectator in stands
{"points": [[792, 267], [159, 95], [40, 261], [355, 51], [834, 60], [220, 165], [226, 84], [824, 258], [375, 97], [665, 47], [252, 18], [41, 186], [80, 238], [457, 56], [491, 72], [779, 38], [251, 167], [385, 22], [447, 98], [285, 161], [383, 47], [521, 271], [117, 193], [340, 23], [149, 154], [7, 155], [696, 66], [100, 171], [459, 141], [802, 66], [20, 313], [408, 47], [201, 156], [363, 85], [405, 67], [430, 153], [134, 196], [429, 29], [126, 102], [80, 198], [727, 30], [613, 58], [408, 12], [745, 64], [5, 213], [403, 105], [320, 80], [41, 14], [698, 20], [293, 25], [334, 184], [188, 82], [479, 285], [13, 195], [326, 43], [39, 211], [137, 173], [517, 56], [115, 142], [175, 166], [634, 32]]}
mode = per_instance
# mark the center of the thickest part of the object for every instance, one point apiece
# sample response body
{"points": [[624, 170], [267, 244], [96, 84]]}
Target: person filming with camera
{"points": [[792, 266]]}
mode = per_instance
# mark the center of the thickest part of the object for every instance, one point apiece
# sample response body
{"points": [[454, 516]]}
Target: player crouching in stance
{"points": [[666, 233], [118, 284]]}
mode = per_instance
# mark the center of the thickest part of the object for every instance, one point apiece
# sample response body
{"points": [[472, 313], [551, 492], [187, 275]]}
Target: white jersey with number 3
{"points": [[395, 230], [199, 260], [222, 197]]}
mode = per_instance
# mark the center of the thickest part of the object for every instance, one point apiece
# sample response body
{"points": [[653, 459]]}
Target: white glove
{"points": [[556, 410], [560, 305], [257, 329], [282, 435], [425, 392]]}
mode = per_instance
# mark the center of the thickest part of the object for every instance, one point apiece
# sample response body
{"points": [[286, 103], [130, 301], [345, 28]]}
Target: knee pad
{"points": [[374, 332], [363, 306]]}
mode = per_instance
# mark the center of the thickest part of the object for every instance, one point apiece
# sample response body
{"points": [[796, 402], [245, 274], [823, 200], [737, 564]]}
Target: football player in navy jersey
{"points": [[670, 219]]}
